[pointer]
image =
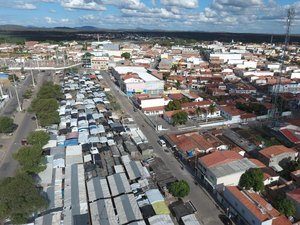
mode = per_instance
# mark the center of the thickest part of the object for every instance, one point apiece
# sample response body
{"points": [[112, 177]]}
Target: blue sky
{"points": [[253, 16]]}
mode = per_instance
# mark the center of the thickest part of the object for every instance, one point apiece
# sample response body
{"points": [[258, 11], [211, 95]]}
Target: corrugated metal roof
{"points": [[118, 184], [102, 212], [97, 189], [154, 195], [160, 220], [127, 209], [190, 220], [134, 170]]}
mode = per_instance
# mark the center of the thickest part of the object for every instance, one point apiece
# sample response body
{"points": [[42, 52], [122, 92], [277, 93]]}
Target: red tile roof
{"points": [[219, 158], [258, 163], [281, 220], [178, 96], [204, 103], [231, 110], [276, 150], [291, 135], [295, 195], [157, 108], [190, 141], [250, 200]]}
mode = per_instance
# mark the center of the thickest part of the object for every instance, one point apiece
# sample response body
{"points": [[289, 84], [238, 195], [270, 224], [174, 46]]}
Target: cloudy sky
{"points": [[255, 16]]}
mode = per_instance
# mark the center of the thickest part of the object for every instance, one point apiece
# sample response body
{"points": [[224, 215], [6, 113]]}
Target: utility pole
{"points": [[17, 95], [1, 91], [276, 107]]}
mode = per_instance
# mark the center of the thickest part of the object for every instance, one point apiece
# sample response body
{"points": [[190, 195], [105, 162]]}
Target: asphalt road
{"points": [[8, 165], [208, 212]]}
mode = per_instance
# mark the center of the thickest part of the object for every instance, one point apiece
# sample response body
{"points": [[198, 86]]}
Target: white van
{"points": [[162, 143]]}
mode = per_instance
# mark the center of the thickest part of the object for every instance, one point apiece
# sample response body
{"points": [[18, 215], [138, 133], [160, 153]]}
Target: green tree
{"points": [[173, 105], [177, 84], [27, 94], [44, 105], [252, 179], [39, 138], [286, 207], [30, 158], [174, 67], [19, 198], [48, 118], [199, 112], [179, 189], [13, 78], [125, 55], [180, 118], [212, 109], [50, 90], [6, 124]]}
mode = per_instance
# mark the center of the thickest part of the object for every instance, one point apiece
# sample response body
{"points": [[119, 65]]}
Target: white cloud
{"points": [[52, 10], [88, 17], [189, 4], [50, 20], [23, 5], [61, 21], [125, 4], [83, 4]]}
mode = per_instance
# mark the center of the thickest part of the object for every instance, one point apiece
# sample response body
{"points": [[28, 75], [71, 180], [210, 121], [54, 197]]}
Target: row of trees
{"points": [[45, 105], [19, 195]]}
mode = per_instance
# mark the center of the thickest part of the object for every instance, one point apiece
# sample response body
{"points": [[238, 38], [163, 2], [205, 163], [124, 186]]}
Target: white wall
{"points": [[147, 103]]}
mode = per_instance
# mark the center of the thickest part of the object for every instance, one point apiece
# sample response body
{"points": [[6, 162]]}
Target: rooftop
{"points": [[276, 150], [258, 206], [141, 71], [219, 158]]}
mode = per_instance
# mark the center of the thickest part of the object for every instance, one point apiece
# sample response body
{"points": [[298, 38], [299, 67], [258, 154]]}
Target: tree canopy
{"points": [[30, 159], [252, 179], [6, 124], [257, 108], [179, 189], [38, 138], [45, 105], [125, 55], [286, 207], [173, 105], [19, 198], [180, 118]]}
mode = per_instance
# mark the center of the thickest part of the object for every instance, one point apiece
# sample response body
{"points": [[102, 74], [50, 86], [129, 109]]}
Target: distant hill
{"points": [[10, 27], [63, 28], [87, 28]]}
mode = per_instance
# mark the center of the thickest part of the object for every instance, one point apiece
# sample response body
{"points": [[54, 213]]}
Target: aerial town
{"points": [[141, 132]]}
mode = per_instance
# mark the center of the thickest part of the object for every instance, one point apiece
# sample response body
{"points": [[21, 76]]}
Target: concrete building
{"points": [[249, 207], [277, 156], [99, 63], [222, 168], [293, 88], [134, 80]]}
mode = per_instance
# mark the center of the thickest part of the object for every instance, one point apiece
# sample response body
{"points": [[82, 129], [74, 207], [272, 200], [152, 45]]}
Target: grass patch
{"points": [[260, 135]]}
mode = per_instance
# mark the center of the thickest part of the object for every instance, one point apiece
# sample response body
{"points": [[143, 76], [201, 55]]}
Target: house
{"points": [[231, 113], [247, 207], [277, 156], [189, 144], [222, 168], [150, 105]]}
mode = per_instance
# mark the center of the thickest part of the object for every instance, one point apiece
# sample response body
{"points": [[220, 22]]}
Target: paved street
{"points": [[207, 213], [11, 144]]}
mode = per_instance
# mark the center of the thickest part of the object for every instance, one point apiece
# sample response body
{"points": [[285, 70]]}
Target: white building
{"points": [[99, 63], [223, 168]]}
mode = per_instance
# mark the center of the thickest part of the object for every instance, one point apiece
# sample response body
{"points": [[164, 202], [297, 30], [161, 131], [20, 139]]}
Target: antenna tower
{"points": [[276, 107]]}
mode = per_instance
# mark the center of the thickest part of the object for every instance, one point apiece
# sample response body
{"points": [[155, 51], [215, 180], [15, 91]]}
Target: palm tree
{"points": [[198, 111], [212, 109]]}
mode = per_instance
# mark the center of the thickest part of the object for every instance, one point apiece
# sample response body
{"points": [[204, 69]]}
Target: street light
{"points": [[17, 95]]}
